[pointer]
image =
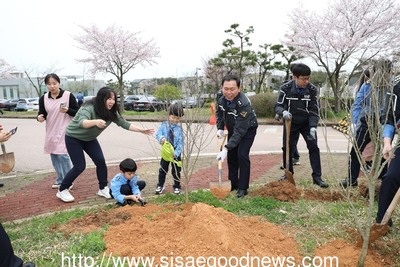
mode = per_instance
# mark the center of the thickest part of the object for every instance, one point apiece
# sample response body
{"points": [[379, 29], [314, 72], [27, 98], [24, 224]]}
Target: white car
{"points": [[33, 104]]}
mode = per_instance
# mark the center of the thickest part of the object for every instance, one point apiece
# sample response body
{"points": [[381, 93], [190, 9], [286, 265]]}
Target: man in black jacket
{"points": [[7, 257], [391, 179], [234, 111], [297, 101]]}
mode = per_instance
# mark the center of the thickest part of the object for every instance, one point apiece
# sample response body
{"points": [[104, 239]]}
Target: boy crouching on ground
{"points": [[125, 187]]}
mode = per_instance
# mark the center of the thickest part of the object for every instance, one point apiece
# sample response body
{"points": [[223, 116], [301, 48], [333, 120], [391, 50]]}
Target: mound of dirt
{"points": [[347, 254], [279, 190], [199, 230], [286, 191]]}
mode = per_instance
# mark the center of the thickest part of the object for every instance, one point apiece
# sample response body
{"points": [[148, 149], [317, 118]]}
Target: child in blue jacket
{"points": [[171, 131], [125, 186]]}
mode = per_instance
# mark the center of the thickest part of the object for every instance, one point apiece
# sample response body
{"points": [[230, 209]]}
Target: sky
{"points": [[37, 35]]}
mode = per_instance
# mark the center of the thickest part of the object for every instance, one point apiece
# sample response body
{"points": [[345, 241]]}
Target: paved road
{"points": [[27, 144]]}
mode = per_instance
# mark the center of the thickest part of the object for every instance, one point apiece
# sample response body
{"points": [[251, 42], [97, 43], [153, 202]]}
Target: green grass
{"points": [[311, 222]]}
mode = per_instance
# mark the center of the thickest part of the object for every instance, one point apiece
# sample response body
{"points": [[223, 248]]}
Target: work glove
{"points": [[222, 155], [313, 133], [220, 134], [287, 115]]}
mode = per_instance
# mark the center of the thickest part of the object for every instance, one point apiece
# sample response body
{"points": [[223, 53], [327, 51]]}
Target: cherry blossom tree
{"points": [[5, 69], [115, 51], [345, 35]]}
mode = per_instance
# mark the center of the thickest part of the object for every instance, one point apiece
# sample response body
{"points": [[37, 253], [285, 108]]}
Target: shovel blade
{"points": [[289, 176], [220, 189], [7, 162], [377, 230]]}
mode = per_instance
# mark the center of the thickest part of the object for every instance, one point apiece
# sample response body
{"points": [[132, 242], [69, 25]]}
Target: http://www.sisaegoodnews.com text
{"points": [[247, 260]]}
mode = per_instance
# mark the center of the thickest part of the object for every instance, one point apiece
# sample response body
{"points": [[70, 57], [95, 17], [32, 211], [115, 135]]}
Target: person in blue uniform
{"points": [[297, 101], [234, 111]]}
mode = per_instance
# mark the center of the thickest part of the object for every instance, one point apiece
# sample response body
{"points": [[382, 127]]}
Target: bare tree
{"points": [[115, 51], [5, 69], [347, 34], [36, 77], [376, 98]]}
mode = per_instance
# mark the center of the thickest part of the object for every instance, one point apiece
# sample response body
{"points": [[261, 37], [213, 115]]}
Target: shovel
{"points": [[7, 160], [220, 189], [378, 230], [288, 174]]}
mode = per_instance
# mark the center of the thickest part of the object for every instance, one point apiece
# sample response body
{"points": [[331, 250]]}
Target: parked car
{"points": [[25, 104], [148, 103], [33, 104], [130, 100], [88, 98], [192, 102], [9, 104]]}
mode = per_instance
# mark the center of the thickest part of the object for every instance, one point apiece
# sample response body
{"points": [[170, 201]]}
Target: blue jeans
{"points": [[75, 148], [62, 165]]}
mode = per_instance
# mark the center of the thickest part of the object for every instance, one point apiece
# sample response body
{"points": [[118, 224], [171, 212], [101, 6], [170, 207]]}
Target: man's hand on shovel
{"points": [[222, 154]]}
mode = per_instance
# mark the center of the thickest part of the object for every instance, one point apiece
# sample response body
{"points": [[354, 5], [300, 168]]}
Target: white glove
{"points": [[286, 115], [222, 155], [313, 133], [220, 134]]}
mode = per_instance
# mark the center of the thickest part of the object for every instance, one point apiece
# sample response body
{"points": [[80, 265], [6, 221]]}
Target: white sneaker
{"points": [[105, 192], [65, 195], [56, 186]]}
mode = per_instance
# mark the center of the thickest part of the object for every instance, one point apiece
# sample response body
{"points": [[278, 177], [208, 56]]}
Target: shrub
{"points": [[263, 104]]}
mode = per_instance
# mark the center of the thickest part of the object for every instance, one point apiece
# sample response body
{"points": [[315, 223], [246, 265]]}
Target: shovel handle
{"points": [[223, 142], [220, 161], [391, 208]]}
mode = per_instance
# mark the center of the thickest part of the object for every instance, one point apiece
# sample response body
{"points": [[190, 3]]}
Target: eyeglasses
{"points": [[304, 78]]}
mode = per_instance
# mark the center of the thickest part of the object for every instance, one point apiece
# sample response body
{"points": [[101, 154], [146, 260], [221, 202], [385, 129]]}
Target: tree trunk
{"points": [[337, 104]]}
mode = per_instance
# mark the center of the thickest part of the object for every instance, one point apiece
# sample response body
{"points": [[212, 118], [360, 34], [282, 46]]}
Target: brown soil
{"points": [[194, 230], [220, 190], [286, 191]]}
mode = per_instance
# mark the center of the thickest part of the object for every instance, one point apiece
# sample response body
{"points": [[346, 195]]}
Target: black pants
{"points": [[7, 257], [312, 146], [239, 160], [390, 185], [362, 140], [176, 173], [126, 189], [75, 149]]}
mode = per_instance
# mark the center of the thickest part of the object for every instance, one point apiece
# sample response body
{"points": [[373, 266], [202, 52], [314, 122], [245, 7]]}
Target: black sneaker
{"points": [[346, 183], [296, 161], [321, 183], [159, 189], [119, 204], [282, 178], [390, 222]]}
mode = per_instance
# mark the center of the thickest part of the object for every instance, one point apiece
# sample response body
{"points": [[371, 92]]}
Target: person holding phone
{"points": [[57, 107], [4, 136]]}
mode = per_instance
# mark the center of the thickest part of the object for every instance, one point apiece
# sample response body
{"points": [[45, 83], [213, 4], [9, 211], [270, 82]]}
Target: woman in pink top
{"points": [[57, 107]]}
